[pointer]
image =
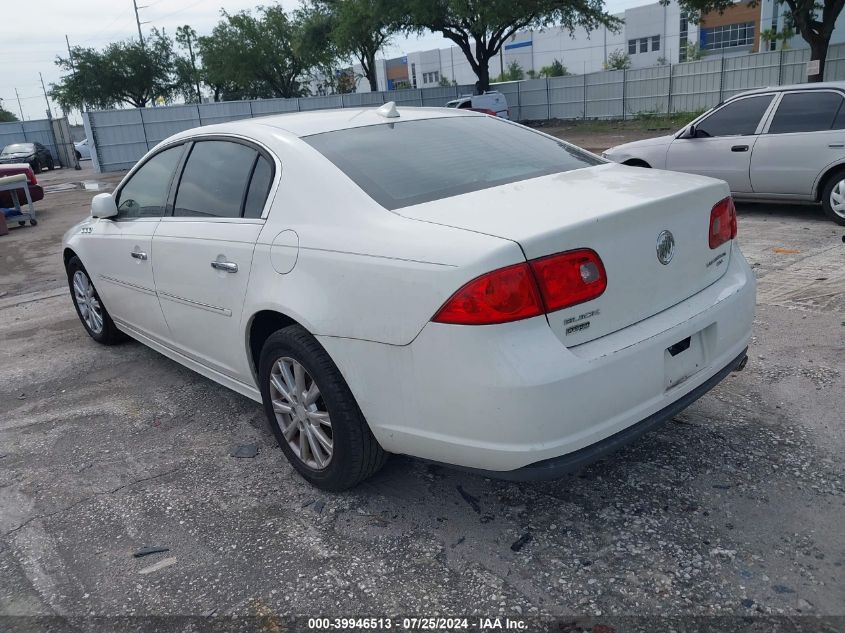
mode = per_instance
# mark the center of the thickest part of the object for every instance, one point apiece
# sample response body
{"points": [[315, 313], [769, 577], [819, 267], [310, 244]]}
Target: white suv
{"points": [[779, 144]]}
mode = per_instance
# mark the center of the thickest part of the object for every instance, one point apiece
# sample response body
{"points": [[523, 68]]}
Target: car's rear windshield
{"points": [[412, 162], [16, 148]]}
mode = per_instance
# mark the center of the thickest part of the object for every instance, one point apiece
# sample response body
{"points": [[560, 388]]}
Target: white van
{"points": [[491, 102]]}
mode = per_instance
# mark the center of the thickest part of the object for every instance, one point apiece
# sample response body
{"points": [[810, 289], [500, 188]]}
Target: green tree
{"points": [[187, 75], [361, 28], [618, 60], [5, 115], [480, 27], [555, 69], [124, 72], [694, 52], [262, 55], [814, 20], [513, 73]]}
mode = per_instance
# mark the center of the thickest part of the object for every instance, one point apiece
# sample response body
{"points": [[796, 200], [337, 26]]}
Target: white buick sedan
{"points": [[432, 282]]}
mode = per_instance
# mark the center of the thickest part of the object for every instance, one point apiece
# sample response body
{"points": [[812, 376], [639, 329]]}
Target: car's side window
{"points": [[145, 194], [738, 118], [259, 187], [809, 111], [214, 181]]}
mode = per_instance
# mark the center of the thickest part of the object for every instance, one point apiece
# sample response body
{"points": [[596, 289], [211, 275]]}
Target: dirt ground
{"points": [[736, 508]]}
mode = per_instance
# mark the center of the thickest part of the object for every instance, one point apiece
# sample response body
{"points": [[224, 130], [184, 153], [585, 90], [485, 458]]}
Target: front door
{"points": [[723, 143], [203, 253], [121, 257], [806, 134]]}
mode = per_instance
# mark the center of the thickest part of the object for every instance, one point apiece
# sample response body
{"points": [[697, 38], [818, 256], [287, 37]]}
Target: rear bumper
{"points": [[510, 396], [575, 461]]}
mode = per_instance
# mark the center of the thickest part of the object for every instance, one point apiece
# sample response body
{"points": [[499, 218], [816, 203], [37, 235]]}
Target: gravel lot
{"points": [[735, 508]]}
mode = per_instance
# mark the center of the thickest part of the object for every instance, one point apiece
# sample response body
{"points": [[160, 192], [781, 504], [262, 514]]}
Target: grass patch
{"points": [[643, 122]]}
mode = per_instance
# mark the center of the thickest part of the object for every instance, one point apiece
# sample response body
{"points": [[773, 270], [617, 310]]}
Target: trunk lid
{"points": [[617, 211]]}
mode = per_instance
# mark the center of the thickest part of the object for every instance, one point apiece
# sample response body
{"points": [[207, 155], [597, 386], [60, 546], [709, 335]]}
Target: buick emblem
{"points": [[665, 247]]}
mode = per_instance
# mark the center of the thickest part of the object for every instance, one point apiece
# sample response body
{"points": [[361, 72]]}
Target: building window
{"points": [[643, 44], [684, 33], [413, 75], [655, 43], [435, 77], [727, 36], [632, 47]]}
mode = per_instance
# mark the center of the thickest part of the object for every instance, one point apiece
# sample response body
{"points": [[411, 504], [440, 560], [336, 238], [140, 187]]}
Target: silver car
{"points": [[783, 144]]}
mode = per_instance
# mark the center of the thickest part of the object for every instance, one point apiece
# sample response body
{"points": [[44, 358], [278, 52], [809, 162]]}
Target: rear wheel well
{"points": [[263, 324], [833, 171], [636, 162]]}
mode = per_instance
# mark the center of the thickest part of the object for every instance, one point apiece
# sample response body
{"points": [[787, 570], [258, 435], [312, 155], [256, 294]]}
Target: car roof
{"points": [[837, 85], [317, 122]]}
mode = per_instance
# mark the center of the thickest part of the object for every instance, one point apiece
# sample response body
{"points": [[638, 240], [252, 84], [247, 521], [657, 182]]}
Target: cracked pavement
{"points": [[734, 508]]}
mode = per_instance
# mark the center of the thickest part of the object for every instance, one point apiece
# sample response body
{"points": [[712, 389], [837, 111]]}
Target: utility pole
{"points": [[70, 55], [20, 107], [138, 21], [46, 100]]}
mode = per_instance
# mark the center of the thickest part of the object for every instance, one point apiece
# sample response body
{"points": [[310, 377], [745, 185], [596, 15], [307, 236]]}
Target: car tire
{"points": [[313, 413], [50, 164], [89, 308], [36, 167], [833, 198]]}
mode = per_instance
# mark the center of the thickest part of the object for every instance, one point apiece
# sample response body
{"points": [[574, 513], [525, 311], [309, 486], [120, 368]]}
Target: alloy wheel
{"points": [[301, 413], [87, 301], [837, 198]]}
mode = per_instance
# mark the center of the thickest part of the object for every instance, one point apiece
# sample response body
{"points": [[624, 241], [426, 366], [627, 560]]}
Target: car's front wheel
{"points": [[93, 314], [833, 198], [313, 414]]}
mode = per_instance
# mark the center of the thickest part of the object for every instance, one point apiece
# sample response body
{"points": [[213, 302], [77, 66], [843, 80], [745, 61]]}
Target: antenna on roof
{"points": [[388, 110]]}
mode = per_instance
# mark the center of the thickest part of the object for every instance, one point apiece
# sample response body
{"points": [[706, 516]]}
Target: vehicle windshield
{"points": [[18, 148], [412, 162], [452, 104]]}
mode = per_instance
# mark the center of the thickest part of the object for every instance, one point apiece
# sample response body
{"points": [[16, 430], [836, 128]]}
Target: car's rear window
{"points": [[412, 162]]}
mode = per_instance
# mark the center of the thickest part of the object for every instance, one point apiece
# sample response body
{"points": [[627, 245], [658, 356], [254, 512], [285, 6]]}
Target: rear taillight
{"points": [[570, 278], [507, 294], [30, 177], [722, 222], [527, 290]]}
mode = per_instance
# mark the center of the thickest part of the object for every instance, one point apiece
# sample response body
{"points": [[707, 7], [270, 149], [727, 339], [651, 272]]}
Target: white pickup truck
{"points": [[491, 102]]}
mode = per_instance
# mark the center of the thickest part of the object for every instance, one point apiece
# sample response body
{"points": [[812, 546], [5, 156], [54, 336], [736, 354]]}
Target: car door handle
{"points": [[138, 255], [739, 148], [228, 267], [835, 145]]}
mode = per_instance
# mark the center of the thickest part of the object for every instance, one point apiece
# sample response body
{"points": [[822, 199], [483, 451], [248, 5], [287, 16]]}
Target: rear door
{"points": [[804, 136], [203, 250], [120, 258], [723, 143]]}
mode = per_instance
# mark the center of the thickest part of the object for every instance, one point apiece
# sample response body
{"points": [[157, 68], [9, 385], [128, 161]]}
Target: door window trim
{"points": [[146, 159], [761, 124], [779, 98], [259, 147]]}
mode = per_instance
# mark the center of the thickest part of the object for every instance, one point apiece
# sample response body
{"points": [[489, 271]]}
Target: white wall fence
{"points": [[121, 137]]}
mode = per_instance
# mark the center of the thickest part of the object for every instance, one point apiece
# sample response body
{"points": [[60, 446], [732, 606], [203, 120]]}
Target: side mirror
{"points": [[103, 206], [689, 132]]}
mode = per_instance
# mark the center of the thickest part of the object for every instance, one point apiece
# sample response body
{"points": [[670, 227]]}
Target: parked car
{"points": [[83, 151], [36, 192], [491, 102], [784, 144], [380, 286], [34, 154]]}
